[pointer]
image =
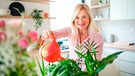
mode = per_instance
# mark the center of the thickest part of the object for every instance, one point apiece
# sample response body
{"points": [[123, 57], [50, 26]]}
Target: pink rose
{"points": [[23, 43], [33, 35], [20, 33], [3, 36], [2, 24]]}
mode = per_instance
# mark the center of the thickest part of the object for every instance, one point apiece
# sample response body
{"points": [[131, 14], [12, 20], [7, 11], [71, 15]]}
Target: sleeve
{"points": [[99, 42], [64, 32]]}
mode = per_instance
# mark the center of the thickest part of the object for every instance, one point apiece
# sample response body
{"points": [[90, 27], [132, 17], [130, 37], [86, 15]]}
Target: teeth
{"points": [[82, 25]]}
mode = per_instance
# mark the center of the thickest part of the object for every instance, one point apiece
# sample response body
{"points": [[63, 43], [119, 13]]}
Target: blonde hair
{"points": [[92, 27]]}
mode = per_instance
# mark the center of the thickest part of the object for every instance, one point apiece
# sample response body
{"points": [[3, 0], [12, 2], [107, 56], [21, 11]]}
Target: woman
{"points": [[82, 29]]}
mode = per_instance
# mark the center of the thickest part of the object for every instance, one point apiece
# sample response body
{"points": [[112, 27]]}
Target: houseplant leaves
{"points": [[69, 67], [37, 17]]}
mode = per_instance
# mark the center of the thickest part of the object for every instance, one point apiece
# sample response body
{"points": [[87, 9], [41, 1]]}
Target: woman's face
{"points": [[82, 20]]}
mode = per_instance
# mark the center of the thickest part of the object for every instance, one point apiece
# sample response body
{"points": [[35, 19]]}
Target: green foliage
{"points": [[100, 1], [66, 67], [93, 65], [14, 60], [42, 68], [37, 17], [1, 62], [70, 67], [16, 63]]}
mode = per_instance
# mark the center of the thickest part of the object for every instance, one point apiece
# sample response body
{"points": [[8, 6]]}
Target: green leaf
{"points": [[89, 56], [1, 62], [43, 66], [54, 71], [94, 52], [92, 44], [110, 58], [82, 74], [89, 66], [42, 71], [80, 54], [25, 54], [100, 67], [79, 47], [62, 73]]}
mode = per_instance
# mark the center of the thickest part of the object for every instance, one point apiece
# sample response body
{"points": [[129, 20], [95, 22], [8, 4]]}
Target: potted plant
{"points": [[100, 2], [69, 67], [14, 59], [37, 17]]}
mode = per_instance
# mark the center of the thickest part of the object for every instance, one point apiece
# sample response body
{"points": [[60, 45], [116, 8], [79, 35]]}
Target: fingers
{"points": [[50, 34], [47, 34]]}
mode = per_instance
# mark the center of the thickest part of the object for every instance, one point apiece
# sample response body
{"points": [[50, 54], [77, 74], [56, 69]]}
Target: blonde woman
{"points": [[82, 28]]}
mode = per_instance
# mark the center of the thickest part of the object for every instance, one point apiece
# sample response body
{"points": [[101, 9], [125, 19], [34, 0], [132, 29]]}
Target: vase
{"points": [[100, 3]]}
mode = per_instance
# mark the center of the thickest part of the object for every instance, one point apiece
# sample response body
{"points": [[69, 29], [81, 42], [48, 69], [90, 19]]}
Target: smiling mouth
{"points": [[81, 24]]}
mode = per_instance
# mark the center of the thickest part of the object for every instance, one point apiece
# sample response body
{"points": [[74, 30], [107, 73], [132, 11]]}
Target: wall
{"points": [[62, 10], [29, 6], [123, 30]]}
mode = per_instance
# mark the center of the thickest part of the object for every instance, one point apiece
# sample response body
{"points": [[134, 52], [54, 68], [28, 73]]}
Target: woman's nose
{"points": [[80, 21]]}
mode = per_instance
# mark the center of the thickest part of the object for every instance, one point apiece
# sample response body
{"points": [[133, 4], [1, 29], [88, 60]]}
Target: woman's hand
{"points": [[48, 34]]}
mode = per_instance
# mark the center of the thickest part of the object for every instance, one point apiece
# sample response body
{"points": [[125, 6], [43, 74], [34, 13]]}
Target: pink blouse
{"points": [[96, 37]]}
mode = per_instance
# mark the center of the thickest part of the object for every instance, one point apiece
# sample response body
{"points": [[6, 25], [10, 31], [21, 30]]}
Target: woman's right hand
{"points": [[47, 34]]}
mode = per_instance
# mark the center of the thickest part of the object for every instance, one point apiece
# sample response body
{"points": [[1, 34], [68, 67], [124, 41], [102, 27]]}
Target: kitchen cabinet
{"points": [[131, 9], [111, 69], [127, 63], [122, 66], [100, 11], [122, 9]]}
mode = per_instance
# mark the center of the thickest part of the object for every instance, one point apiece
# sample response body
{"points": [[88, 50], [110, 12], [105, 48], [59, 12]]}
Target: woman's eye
{"points": [[77, 17], [84, 16], [81, 17]]}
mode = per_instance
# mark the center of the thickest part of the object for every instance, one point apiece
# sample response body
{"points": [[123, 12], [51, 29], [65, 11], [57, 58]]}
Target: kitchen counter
{"points": [[106, 45], [120, 46]]}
